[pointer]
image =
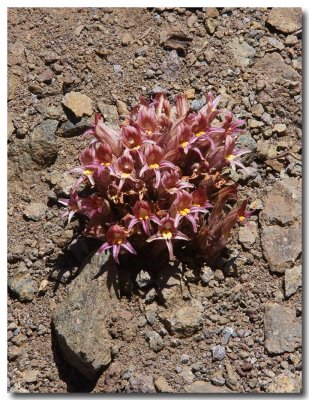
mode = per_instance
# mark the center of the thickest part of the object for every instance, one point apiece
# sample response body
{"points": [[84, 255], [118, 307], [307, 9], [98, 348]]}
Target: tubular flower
{"points": [[168, 231], [243, 215], [182, 143], [183, 208], [182, 105], [154, 162], [86, 173], [131, 137], [143, 214], [230, 125], [230, 153], [199, 199], [95, 205], [171, 182], [147, 122], [116, 238], [73, 204], [105, 134], [124, 169], [210, 108], [93, 159], [103, 158]]}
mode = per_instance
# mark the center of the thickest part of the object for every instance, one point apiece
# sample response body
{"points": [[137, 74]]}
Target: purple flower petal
{"points": [[192, 220], [170, 248], [105, 246], [128, 247], [133, 221], [116, 249]]}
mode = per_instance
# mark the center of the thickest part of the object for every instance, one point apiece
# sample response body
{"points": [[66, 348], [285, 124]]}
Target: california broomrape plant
{"points": [[162, 176]]}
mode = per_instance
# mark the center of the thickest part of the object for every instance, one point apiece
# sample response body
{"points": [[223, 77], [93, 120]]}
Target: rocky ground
{"points": [[234, 328]]}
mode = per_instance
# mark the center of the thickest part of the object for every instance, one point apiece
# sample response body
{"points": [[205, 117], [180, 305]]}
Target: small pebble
{"points": [[218, 353]]}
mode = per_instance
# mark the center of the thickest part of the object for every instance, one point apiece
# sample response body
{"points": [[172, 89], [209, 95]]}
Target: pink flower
{"points": [[243, 215], [182, 105], [171, 181], [153, 155], [232, 126], [116, 238], [182, 207], [182, 143], [124, 170], [105, 134], [131, 137], [86, 173], [167, 231], [230, 153], [147, 122], [210, 108], [93, 205], [142, 213], [73, 204], [96, 158]]}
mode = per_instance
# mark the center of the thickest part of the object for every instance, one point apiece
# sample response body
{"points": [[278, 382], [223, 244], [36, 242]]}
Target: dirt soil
{"points": [[113, 56]]}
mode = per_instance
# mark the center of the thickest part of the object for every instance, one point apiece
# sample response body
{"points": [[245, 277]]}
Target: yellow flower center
{"points": [[230, 157], [106, 163], [184, 144], [136, 147], [167, 235], [145, 217], [241, 218], [125, 175], [154, 166], [184, 212], [198, 134], [87, 172]]}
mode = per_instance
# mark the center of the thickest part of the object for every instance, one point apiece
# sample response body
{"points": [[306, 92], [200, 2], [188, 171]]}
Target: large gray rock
{"points": [[281, 226], [163, 386], [281, 246], [80, 321], [282, 331], [282, 205], [43, 142], [248, 234], [110, 114]]}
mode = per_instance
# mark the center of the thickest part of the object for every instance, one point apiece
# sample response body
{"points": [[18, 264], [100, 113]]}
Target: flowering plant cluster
{"points": [[160, 177]]}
